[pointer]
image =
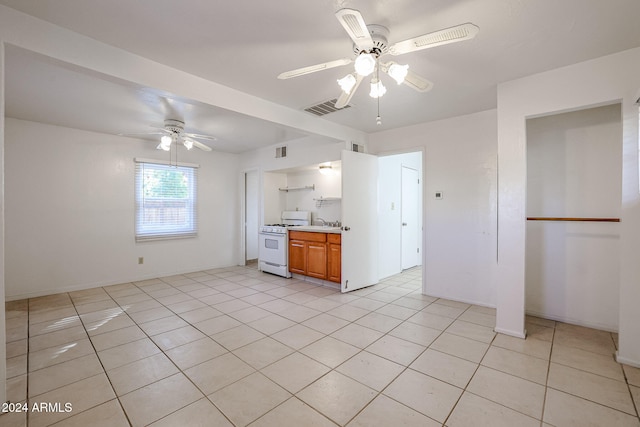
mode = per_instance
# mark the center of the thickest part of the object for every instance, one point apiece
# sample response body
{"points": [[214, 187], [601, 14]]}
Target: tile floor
{"points": [[236, 347]]}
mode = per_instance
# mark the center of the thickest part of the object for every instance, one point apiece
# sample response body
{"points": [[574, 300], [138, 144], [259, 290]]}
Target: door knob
{"points": [[346, 228], [404, 224]]}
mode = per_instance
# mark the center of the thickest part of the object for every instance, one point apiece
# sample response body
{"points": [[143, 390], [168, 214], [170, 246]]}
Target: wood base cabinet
{"points": [[297, 257], [315, 255], [334, 258]]}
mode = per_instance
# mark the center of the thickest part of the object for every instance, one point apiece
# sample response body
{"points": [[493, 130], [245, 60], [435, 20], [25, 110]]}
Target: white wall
{"points": [[601, 81], [273, 171], [324, 186], [390, 210], [3, 333], [459, 230], [274, 200], [69, 198], [300, 152], [574, 169]]}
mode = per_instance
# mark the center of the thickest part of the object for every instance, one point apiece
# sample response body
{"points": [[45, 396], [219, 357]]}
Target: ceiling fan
{"points": [[370, 43], [173, 133]]}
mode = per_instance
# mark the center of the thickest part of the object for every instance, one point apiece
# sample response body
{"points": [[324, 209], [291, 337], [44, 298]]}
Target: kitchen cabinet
{"points": [[334, 257], [317, 260], [297, 257], [315, 255]]}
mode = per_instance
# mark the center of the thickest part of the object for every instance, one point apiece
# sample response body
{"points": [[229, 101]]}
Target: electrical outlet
{"points": [[439, 195], [140, 260]]}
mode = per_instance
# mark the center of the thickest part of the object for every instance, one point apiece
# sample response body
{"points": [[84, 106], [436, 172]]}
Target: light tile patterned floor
{"points": [[236, 347]]}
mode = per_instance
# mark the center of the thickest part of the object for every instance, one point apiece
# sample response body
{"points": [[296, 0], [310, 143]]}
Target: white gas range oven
{"points": [[273, 252]]}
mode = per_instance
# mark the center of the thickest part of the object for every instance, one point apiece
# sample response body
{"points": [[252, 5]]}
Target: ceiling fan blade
{"points": [[199, 136], [353, 23], [200, 145], [417, 82], [344, 97], [142, 134], [413, 80], [437, 38], [313, 68]]}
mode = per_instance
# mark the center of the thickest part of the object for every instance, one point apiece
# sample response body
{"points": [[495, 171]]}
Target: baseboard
{"points": [[466, 301], [592, 325], [624, 360], [99, 284], [511, 333], [315, 281]]}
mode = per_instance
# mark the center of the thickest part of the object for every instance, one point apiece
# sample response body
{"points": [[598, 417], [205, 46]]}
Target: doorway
{"points": [[410, 233], [574, 202], [251, 216], [400, 202]]}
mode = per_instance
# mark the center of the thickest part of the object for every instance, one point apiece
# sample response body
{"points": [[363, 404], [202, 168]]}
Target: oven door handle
{"points": [[264, 233]]}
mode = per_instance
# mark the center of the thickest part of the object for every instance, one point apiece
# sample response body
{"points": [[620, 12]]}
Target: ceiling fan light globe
{"points": [[377, 89], [188, 144], [365, 64], [165, 143], [347, 83], [398, 72]]}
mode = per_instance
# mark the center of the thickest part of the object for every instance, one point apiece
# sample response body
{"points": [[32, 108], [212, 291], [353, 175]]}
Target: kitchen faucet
{"points": [[321, 220]]}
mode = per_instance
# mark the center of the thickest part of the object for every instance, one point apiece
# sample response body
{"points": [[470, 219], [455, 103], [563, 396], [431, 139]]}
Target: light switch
{"points": [[393, 206]]}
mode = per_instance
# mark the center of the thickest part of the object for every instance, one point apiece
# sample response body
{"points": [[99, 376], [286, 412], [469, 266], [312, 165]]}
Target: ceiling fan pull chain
{"points": [[378, 119]]}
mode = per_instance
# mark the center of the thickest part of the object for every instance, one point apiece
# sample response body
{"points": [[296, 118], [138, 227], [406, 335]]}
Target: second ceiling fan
{"points": [[370, 43]]}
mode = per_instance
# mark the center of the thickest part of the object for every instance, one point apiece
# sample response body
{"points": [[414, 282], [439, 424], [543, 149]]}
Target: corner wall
{"points": [[601, 81], [459, 238], [70, 212]]}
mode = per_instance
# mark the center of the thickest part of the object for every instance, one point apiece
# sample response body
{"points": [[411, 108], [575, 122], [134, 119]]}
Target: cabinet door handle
{"points": [[297, 245]]}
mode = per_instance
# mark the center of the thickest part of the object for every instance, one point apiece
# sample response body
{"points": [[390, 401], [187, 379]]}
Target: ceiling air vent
{"points": [[281, 151], [358, 148], [325, 108]]}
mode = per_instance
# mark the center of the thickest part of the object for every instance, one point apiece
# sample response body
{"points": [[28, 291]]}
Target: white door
{"points": [[410, 231], [359, 220]]}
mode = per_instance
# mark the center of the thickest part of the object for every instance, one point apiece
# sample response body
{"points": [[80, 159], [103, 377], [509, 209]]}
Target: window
{"points": [[165, 200]]}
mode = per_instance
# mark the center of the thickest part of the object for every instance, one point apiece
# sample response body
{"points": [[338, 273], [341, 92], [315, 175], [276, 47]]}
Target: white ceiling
{"points": [[245, 44]]}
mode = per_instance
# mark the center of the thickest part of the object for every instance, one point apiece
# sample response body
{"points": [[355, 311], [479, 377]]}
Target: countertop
{"points": [[317, 229]]}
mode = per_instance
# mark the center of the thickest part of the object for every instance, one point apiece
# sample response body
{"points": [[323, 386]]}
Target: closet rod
{"points": [[545, 218]]}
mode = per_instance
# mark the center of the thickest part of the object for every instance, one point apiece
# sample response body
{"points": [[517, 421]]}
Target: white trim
{"points": [[165, 162], [620, 359], [572, 321], [511, 333], [115, 281]]}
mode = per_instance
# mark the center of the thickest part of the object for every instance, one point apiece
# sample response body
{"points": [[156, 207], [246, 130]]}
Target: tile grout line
{"points": [[104, 370], [464, 390], [402, 321], [546, 383], [149, 337]]}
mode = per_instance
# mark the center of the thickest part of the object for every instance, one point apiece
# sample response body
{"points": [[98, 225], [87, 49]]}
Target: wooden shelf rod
{"points": [[545, 218]]}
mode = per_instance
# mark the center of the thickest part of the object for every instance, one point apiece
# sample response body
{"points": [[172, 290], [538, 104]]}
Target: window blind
{"points": [[166, 200]]}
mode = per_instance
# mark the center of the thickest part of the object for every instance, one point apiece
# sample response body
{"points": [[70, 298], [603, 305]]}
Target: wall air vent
{"points": [[358, 148], [325, 108], [281, 151]]}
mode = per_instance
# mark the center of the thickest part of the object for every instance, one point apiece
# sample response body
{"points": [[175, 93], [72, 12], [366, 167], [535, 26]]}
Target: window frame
{"points": [[150, 231]]}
